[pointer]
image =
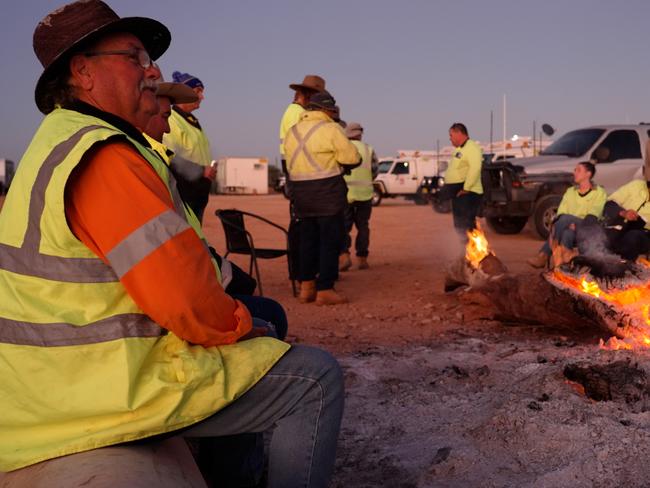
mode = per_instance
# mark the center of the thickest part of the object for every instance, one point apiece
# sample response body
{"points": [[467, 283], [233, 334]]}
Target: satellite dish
{"points": [[548, 130]]}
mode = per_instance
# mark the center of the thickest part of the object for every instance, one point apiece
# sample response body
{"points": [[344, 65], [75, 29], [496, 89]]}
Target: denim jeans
{"points": [[562, 233], [301, 397], [268, 310]]}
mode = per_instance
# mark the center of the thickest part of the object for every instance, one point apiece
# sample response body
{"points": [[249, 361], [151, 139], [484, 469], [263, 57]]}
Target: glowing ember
{"points": [[632, 301], [477, 247]]}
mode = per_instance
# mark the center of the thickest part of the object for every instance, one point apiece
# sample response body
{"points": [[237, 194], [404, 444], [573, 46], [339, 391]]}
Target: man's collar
{"points": [[465, 142], [114, 120], [187, 116]]}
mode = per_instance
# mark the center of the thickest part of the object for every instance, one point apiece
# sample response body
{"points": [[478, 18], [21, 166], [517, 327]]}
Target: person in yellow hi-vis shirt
{"points": [[357, 213], [190, 146], [463, 179]]}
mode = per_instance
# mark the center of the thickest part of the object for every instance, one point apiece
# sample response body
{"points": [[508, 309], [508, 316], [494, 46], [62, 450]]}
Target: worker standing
{"points": [[316, 147], [359, 208], [190, 145], [463, 179]]}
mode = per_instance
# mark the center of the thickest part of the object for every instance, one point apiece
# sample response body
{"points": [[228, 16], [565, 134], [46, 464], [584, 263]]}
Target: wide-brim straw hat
{"points": [[176, 92], [311, 83], [64, 30]]}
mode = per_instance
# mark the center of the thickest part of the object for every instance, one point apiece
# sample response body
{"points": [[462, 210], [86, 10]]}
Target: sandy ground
{"points": [[439, 396]]}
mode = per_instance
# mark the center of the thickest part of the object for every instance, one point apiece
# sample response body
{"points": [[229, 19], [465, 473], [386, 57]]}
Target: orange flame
{"points": [[477, 247], [628, 299]]}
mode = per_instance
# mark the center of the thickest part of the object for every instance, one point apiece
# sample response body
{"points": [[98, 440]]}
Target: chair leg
{"points": [[257, 275]]}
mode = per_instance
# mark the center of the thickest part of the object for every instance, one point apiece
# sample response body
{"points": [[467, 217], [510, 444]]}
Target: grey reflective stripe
{"points": [[176, 197], [302, 148], [316, 175], [226, 273], [358, 183], [50, 335], [75, 270], [27, 260], [144, 240]]}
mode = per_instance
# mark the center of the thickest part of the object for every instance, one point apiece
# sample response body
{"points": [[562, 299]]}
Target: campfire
{"points": [[622, 303], [477, 265]]}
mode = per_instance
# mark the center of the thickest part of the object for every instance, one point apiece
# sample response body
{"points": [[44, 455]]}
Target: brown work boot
{"points": [[330, 297], [307, 291], [538, 261], [363, 262], [344, 261], [562, 255]]}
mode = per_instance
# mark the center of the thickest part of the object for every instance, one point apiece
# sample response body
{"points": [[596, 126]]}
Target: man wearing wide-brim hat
{"points": [[310, 85], [317, 151], [113, 323]]}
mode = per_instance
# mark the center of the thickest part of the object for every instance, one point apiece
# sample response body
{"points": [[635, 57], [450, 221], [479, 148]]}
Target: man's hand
{"points": [[254, 332], [461, 193], [629, 215], [210, 172]]}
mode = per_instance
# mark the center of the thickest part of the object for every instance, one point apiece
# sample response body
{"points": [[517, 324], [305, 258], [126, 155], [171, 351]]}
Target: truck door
{"points": [[619, 158], [404, 179]]}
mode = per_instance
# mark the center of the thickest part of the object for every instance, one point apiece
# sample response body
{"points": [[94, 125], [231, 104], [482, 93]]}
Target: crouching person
{"points": [[580, 204], [113, 324]]}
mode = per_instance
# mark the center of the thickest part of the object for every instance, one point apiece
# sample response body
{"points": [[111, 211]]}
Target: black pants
{"points": [[357, 214], [320, 244], [465, 209]]}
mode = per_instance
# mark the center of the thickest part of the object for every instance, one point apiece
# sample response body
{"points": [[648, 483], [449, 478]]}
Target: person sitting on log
{"points": [[582, 202], [626, 219]]}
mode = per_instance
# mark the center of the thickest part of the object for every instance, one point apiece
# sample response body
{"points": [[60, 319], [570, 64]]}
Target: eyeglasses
{"points": [[140, 56]]}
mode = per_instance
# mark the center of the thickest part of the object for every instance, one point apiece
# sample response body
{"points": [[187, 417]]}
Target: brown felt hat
{"points": [[67, 28], [311, 82], [176, 92]]}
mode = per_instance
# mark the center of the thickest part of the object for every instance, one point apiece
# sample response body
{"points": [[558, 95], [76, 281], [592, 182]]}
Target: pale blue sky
{"points": [[405, 69]]}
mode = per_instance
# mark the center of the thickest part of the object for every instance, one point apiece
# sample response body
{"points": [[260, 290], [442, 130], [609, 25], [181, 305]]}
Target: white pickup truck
{"points": [[405, 176]]}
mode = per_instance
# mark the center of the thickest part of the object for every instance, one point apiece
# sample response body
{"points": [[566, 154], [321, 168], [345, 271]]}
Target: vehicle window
{"points": [[384, 166], [619, 144], [401, 168], [574, 144]]}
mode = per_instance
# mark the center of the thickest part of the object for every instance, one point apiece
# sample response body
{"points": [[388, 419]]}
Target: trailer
{"points": [[244, 176], [7, 169]]}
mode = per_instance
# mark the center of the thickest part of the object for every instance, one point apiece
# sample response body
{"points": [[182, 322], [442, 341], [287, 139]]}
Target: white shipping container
{"points": [[244, 176]]}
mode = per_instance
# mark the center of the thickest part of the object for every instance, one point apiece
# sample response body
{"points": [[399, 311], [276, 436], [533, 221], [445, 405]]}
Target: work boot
{"points": [[307, 291], [344, 261], [538, 261], [363, 262], [330, 297], [562, 255]]}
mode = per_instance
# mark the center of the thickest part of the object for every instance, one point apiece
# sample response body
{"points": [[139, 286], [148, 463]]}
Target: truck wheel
{"points": [[507, 225], [442, 207], [376, 196], [421, 198], [545, 212]]}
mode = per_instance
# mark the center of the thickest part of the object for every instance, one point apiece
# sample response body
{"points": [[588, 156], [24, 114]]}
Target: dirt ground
{"points": [[437, 395]]}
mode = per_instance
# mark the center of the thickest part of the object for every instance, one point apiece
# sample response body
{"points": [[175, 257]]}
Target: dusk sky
{"points": [[405, 70]]}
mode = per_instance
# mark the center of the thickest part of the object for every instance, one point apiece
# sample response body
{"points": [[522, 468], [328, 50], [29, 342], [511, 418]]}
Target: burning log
{"points": [[477, 266]]}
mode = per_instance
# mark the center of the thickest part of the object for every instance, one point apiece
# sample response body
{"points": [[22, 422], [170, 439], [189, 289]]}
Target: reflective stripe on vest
{"points": [[51, 335], [318, 171], [144, 240]]}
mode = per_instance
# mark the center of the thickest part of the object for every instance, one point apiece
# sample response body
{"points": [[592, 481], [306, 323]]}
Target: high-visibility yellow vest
{"points": [[359, 180], [290, 118], [187, 141], [634, 196], [592, 203], [81, 365], [316, 146], [465, 167]]}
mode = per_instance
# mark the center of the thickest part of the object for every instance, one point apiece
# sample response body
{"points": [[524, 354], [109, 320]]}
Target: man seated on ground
{"points": [[583, 200], [113, 323], [627, 220]]}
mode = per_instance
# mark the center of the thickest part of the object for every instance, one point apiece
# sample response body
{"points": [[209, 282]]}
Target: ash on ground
{"points": [[490, 411]]}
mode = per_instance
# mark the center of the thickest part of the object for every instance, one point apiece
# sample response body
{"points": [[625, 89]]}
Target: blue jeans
{"points": [[268, 310], [562, 233], [301, 397]]}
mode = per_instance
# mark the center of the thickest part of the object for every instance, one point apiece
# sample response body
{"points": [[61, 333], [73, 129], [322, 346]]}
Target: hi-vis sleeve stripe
{"points": [[144, 240]]}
